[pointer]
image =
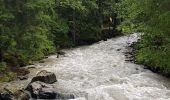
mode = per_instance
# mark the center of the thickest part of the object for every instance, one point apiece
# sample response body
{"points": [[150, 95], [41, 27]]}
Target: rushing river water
{"points": [[100, 72]]}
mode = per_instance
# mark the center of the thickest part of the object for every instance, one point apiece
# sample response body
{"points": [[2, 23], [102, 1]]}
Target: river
{"points": [[101, 72]]}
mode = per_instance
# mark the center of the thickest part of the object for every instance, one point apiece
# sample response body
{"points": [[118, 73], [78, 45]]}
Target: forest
{"points": [[33, 29], [151, 17], [85, 49]]}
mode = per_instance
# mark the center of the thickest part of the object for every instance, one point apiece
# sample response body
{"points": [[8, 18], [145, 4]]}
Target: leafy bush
{"points": [[3, 67], [5, 74], [153, 18], [31, 29]]}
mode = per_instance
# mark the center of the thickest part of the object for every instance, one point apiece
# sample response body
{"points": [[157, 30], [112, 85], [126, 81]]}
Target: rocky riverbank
{"points": [[40, 87], [131, 55]]}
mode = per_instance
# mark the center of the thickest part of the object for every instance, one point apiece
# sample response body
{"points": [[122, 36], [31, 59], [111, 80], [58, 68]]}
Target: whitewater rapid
{"points": [[101, 72]]}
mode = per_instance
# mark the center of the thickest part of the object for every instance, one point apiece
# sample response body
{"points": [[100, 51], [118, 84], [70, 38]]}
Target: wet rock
{"points": [[22, 71], [9, 91], [42, 61], [118, 49], [105, 39], [126, 55], [129, 60], [61, 53], [41, 90], [24, 96], [47, 93], [14, 93], [6, 96], [64, 96], [23, 77], [0, 96], [15, 90], [45, 76], [45, 57], [69, 96], [137, 68], [31, 67]]}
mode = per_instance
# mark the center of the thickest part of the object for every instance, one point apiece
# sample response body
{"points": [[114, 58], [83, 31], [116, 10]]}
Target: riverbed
{"points": [[100, 72]]}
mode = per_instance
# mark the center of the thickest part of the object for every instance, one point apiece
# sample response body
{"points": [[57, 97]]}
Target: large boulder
{"points": [[45, 76], [41, 87], [40, 90]]}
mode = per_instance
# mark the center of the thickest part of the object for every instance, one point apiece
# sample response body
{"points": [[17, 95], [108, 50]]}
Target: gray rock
{"points": [[32, 67], [47, 93], [23, 77], [40, 90], [45, 76], [67, 96], [41, 61], [61, 53], [118, 49], [13, 93], [6, 96], [24, 96]]}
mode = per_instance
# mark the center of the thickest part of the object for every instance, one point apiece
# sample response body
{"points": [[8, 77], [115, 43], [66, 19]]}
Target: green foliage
{"points": [[31, 29], [5, 74], [155, 57], [2, 67], [153, 18]]}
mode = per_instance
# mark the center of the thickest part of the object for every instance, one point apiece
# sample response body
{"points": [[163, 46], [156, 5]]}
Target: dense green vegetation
{"points": [[31, 29], [151, 17]]}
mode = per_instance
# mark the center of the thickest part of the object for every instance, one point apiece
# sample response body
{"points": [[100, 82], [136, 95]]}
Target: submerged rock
{"points": [[42, 61], [45, 76], [23, 77], [61, 53], [66, 96], [41, 90], [118, 49]]}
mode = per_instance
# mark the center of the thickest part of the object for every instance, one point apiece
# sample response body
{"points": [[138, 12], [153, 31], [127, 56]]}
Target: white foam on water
{"points": [[100, 72]]}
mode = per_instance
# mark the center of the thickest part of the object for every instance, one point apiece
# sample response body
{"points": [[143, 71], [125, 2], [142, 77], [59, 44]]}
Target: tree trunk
{"points": [[100, 18], [73, 28]]}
